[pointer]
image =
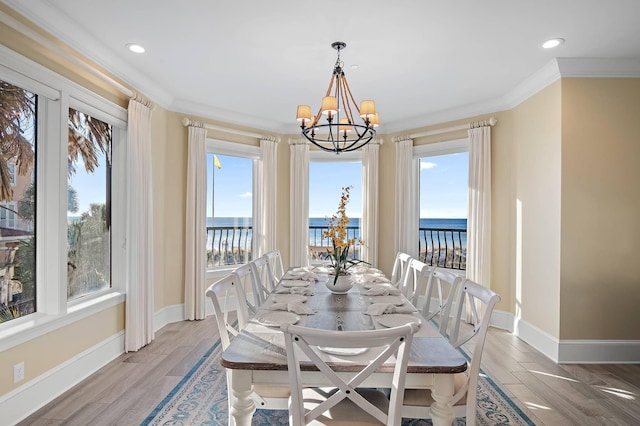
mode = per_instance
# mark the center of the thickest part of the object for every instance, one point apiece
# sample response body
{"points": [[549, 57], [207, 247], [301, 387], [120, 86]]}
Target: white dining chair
{"points": [[417, 401], [263, 280], [227, 295], [400, 268], [253, 293], [344, 403], [441, 288], [415, 280], [275, 261]]}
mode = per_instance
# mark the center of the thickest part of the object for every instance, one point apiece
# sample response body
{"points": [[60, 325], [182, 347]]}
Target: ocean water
{"points": [[321, 221], [315, 236]]}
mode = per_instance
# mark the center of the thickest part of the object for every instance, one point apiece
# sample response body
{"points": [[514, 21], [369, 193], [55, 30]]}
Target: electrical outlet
{"points": [[18, 372]]}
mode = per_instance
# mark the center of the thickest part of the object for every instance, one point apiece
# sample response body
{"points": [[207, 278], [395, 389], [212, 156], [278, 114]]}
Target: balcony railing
{"points": [[446, 248], [228, 245], [318, 245], [231, 245]]}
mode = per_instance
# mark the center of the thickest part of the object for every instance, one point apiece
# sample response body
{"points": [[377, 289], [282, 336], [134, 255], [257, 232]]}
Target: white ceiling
{"points": [[252, 62]]}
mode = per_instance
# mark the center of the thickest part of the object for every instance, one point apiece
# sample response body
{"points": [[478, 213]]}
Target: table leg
{"points": [[242, 406], [441, 411]]}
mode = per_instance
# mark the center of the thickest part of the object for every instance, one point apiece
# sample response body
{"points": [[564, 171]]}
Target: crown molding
{"points": [[599, 67], [104, 57], [98, 54], [231, 117]]}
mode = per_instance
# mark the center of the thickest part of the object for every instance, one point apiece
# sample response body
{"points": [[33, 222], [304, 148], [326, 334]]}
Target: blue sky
{"points": [[91, 187], [444, 184], [443, 189]]}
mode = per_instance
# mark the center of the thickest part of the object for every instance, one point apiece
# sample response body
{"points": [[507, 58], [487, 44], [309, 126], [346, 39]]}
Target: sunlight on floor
{"points": [[532, 406], [618, 392], [554, 375]]}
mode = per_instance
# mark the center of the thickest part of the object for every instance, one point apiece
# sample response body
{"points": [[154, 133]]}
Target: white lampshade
{"points": [[329, 105], [345, 126], [367, 108], [304, 113], [374, 121]]}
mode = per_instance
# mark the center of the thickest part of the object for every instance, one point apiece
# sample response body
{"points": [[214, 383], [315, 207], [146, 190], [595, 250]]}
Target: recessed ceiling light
{"points": [[135, 48], [554, 42], [354, 66]]}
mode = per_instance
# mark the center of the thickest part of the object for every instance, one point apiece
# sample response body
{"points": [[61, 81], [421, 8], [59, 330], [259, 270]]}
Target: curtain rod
{"points": [[189, 122], [51, 46], [471, 125]]}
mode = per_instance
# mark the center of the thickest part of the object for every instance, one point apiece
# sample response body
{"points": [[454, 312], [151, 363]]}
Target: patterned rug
{"points": [[201, 399]]}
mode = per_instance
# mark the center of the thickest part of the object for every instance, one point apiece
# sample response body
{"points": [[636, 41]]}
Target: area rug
{"points": [[201, 399]]}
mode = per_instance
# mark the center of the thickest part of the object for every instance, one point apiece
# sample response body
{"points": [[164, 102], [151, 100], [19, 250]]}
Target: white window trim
{"points": [[217, 146], [56, 94], [453, 146], [330, 157]]}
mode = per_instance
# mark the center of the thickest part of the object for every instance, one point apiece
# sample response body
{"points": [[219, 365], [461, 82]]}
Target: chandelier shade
{"points": [[333, 128]]}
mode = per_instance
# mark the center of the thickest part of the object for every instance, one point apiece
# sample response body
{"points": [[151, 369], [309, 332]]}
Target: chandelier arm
{"points": [[348, 89], [345, 101]]}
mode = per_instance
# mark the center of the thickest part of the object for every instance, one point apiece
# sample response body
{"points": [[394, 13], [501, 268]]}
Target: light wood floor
{"points": [[126, 390]]}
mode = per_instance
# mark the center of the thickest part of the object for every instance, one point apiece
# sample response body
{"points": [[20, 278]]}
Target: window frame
{"points": [[55, 95], [236, 149], [453, 146], [7, 211], [317, 156]]}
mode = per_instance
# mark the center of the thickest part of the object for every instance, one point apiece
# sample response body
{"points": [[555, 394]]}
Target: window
{"points": [[328, 174], [37, 290], [88, 205], [231, 171], [17, 206], [8, 215], [444, 177]]}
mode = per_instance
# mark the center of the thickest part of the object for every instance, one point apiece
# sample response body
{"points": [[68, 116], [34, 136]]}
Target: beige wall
{"points": [[535, 226], [600, 293], [58, 346]]}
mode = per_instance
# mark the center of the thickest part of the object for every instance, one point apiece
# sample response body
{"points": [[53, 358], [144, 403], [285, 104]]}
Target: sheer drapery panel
{"points": [[139, 228], [195, 234]]}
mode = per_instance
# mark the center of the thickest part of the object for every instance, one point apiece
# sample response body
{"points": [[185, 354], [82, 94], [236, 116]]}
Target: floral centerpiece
{"points": [[338, 255]]}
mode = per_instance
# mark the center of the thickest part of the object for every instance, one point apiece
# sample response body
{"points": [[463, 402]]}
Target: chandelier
{"points": [[340, 132]]}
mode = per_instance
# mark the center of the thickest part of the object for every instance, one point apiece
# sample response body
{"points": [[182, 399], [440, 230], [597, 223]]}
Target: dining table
{"points": [[257, 355]]}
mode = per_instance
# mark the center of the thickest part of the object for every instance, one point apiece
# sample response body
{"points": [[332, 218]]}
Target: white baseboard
{"points": [[28, 398], [167, 315], [539, 339], [599, 351], [569, 351]]}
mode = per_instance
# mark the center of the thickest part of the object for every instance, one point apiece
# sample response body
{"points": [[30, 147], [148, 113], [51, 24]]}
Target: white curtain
{"points": [[406, 214], [299, 214], [370, 191], [479, 222], [195, 232], [266, 198], [139, 228]]}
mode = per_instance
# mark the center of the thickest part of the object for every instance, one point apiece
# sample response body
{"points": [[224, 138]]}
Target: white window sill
{"points": [[21, 330]]}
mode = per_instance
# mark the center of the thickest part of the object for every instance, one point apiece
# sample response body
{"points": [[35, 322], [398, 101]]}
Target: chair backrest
{"points": [[391, 341], [228, 295], [275, 261], [400, 268], [415, 280], [476, 297], [442, 285], [264, 282], [249, 284]]}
